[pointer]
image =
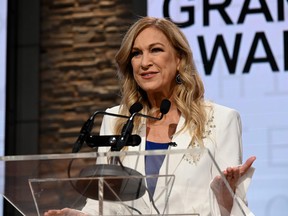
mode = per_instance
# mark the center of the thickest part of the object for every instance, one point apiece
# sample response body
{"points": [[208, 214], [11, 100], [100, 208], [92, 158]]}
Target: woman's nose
{"points": [[146, 61]]}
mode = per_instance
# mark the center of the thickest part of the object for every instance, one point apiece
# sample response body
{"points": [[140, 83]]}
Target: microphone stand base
{"points": [[120, 183]]}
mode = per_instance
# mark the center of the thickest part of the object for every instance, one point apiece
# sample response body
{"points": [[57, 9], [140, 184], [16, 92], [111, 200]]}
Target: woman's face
{"points": [[154, 62]]}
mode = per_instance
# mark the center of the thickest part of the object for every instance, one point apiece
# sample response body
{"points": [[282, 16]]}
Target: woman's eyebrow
{"points": [[150, 45]]}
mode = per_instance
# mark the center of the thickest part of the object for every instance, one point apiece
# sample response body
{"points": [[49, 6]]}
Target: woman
{"points": [[155, 63]]}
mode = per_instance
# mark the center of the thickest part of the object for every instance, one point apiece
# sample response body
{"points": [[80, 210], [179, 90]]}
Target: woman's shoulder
{"points": [[113, 109], [219, 110]]}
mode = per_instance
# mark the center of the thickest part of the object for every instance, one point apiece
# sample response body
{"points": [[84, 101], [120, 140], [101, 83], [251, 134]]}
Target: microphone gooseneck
{"points": [[134, 111], [128, 127], [84, 133]]}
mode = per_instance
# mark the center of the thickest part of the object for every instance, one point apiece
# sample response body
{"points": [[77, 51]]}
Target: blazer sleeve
{"points": [[229, 152], [108, 122], [107, 128]]}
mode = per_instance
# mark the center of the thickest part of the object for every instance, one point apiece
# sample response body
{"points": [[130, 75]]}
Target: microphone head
{"points": [[165, 106], [136, 107]]}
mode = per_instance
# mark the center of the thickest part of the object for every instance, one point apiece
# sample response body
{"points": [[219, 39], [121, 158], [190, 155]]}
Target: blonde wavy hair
{"points": [[188, 96]]}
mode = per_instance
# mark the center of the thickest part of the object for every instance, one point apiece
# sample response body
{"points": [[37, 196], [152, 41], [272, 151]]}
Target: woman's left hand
{"points": [[232, 175], [64, 212]]}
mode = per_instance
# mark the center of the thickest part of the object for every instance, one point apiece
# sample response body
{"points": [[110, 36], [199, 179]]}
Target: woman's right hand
{"points": [[64, 212]]}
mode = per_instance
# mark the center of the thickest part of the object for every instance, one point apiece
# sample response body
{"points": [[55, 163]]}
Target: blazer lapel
{"points": [[182, 140], [171, 162]]}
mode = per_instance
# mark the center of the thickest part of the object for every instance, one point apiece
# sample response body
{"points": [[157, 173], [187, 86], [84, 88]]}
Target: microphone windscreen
{"points": [[165, 106], [136, 107]]}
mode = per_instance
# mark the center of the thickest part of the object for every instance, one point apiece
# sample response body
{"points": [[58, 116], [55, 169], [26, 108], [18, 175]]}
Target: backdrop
{"points": [[241, 52]]}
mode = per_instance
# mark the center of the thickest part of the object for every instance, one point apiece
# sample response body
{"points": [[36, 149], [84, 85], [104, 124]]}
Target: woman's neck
{"points": [[163, 130], [155, 100]]}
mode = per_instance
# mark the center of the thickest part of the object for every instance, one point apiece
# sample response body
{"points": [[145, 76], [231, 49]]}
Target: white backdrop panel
{"points": [[252, 78]]}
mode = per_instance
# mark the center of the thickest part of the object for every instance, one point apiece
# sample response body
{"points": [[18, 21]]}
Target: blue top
{"points": [[153, 163]]}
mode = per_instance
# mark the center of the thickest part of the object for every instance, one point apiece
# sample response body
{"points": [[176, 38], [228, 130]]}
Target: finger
{"points": [[232, 170], [244, 168], [229, 172], [52, 213], [233, 173]]}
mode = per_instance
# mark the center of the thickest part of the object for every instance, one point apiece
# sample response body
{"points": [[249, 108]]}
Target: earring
{"points": [[178, 79]]}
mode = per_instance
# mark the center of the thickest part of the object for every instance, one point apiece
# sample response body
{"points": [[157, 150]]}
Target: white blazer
{"points": [[191, 192]]}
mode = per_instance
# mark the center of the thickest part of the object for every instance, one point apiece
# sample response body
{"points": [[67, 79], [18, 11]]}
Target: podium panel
{"points": [[122, 190], [34, 184]]}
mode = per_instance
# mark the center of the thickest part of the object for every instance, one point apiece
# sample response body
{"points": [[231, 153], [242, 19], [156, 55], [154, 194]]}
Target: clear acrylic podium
{"points": [[34, 184]]}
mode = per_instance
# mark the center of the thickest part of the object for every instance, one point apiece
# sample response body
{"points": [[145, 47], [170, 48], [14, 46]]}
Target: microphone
{"points": [[165, 106], [87, 128], [135, 108], [84, 132]]}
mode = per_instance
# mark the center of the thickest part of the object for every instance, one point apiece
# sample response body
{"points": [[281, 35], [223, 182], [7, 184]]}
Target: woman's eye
{"points": [[135, 53], [156, 49]]}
